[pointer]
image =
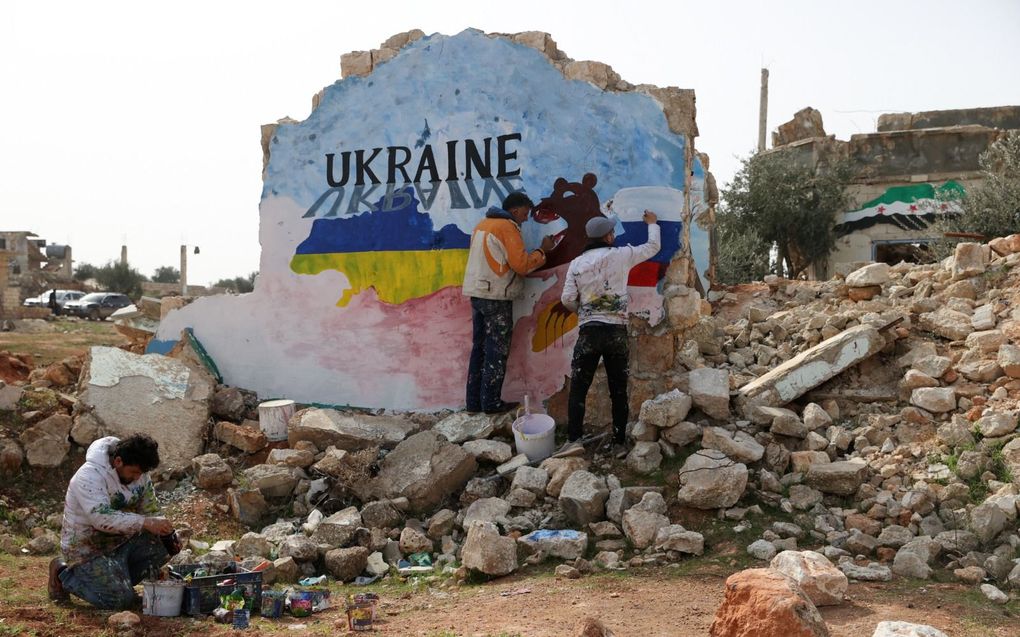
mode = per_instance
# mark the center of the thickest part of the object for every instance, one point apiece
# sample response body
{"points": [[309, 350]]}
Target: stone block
{"points": [[246, 437], [710, 391], [347, 431]]}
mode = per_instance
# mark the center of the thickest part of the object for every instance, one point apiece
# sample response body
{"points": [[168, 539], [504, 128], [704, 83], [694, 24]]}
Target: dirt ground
{"points": [[646, 602], [51, 341]]}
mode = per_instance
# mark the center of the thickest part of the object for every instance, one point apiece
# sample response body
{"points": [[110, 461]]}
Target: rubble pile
{"points": [[872, 419]]}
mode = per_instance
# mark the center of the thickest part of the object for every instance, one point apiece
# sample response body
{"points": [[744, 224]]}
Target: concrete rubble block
{"points": [[803, 497], [987, 520], [666, 410], [424, 468], [644, 458], [287, 570], [248, 506], [837, 478], [400, 40], [441, 523], [906, 629], [737, 445], [762, 601], [347, 431], [565, 544], [983, 318], [9, 397], [380, 514], [710, 391], [376, 565], [624, 498], [540, 41], [947, 323], [300, 458], [987, 341], [674, 537], [124, 622], [559, 469], [462, 426], [490, 451], [211, 471], [641, 527], [487, 552], [683, 306], [869, 275], [809, 369], [993, 594], [969, 259], [486, 510], [873, 572], [332, 463], [532, 479], [711, 480], [338, 529], [815, 417], [583, 497], [933, 366], [253, 544], [273, 481], [681, 434], [934, 399], [86, 429], [150, 394], [597, 73], [1009, 360], [355, 64], [245, 437], [228, 402], [801, 461], [346, 564], [762, 550], [414, 540], [911, 563], [820, 580], [785, 422], [46, 443], [996, 424], [299, 547]]}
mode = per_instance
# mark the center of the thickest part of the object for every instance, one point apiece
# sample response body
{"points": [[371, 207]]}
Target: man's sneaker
{"points": [[53, 587], [501, 408]]}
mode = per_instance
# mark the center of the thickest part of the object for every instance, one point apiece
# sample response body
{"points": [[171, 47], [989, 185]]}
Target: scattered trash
{"points": [[241, 618], [273, 603], [515, 592], [313, 581]]}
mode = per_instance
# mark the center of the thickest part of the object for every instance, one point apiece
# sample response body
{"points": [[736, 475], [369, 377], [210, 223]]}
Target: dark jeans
{"points": [[493, 323], [107, 581], [594, 342]]}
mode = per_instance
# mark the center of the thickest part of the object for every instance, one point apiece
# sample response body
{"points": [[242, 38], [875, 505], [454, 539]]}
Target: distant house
{"points": [[29, 265]]}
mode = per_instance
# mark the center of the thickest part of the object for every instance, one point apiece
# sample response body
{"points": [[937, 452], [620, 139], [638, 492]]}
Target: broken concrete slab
{"points": [[46, 442], [710, 391], [486, 551], [424, 468], [808, 370], [247, 437], [462, 426], [347, 431], [150, 394]]}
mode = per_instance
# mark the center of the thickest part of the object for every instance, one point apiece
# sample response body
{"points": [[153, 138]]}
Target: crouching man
{"points": [[112, 536]]}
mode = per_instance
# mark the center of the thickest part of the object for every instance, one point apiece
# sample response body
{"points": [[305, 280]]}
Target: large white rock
{"points": [[711, 480], [151, 394], [583, 497], [906, 629], [486, 510], [995, 424], [934, 399], [463, 426], [825, 584], [424, 468], [947, 323], [873, 274], [487, 552], [1009, 360], [737, 445], [808, 369], [666, 410], [347, 431], [676, 538], [641, 522], [969, 259], [710, 391]]}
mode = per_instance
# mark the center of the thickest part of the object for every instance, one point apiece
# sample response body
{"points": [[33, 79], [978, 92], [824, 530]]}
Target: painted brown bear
{"points": [[574, 203]]}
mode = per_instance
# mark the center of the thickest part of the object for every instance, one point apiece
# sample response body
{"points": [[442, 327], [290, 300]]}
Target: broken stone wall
{"points": [[369, 204]]}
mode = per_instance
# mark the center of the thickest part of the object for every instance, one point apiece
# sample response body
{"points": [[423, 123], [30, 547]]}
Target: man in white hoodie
{"points": [[112, 534], [596, 288]]}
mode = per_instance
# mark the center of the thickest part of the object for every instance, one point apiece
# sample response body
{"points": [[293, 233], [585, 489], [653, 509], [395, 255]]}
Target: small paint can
{"points": [[359, 616], [241, 618], [301, 604]]}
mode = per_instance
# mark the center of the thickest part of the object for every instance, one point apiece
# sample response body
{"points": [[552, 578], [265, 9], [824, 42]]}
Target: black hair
{"points": [[138, 450], [516, 200]]}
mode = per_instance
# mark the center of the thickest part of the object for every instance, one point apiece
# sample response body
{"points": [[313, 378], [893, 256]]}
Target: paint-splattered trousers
{"points": [[608, 343], [492, 324], [107, 581]]}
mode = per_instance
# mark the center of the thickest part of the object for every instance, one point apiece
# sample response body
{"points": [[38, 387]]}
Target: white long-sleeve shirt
{"points": [[100, 512], [596, 283]]}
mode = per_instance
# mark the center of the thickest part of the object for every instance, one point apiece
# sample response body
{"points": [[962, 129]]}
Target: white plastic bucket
{"points": [[273, 417], [162, 599], [534, 434]]}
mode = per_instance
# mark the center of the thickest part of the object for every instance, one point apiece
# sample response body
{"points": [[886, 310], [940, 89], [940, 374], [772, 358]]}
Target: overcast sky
{"points": [[138, 122]]}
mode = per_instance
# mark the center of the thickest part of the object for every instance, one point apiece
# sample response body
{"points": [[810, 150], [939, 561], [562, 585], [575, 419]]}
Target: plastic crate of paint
{"points": [[202, 594]]}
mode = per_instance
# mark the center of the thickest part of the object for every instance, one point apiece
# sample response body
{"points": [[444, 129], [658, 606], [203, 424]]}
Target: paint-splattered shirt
{"points": [[101, 513], [596, 282]]}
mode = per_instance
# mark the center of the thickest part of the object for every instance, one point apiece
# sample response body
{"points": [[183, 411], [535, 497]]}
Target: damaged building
{"points": [[906, 174], [29, 265]]}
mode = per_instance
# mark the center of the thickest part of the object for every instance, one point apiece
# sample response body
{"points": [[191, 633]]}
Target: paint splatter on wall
{"points": [[368, 206]]}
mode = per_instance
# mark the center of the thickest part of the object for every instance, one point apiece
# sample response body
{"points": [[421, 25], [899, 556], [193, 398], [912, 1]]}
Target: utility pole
{"points": [[763, 109], [184, 270]]}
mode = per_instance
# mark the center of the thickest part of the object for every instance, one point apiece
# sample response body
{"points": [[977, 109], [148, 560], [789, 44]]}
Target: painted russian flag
{"points": [[629, 205]]}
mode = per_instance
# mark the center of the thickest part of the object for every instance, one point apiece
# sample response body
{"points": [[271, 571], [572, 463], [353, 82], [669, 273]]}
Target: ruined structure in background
{"points": [[27, 267], [907, 173], [369, 203]]}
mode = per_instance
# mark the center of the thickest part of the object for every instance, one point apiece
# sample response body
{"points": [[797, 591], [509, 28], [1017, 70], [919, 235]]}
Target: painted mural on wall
{"points": [[368, 206], [910, 207]]}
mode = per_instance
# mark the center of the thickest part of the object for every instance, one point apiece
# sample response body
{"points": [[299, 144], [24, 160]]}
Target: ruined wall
{"points": [[368, 206]]}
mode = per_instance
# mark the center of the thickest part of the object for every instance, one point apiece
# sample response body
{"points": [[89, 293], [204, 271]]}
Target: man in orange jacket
{"points": [[497, 264]]}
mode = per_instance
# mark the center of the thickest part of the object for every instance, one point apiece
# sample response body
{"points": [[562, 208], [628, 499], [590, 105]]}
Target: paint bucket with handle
{"points": [[534, 434]]}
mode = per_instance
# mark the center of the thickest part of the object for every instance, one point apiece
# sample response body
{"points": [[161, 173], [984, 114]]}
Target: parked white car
{"points": [[63, 296]]}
